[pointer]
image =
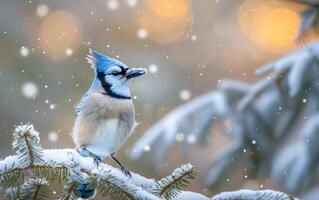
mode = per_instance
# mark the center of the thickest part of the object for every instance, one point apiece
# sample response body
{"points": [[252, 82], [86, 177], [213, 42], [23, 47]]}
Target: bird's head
{"points": [[112, 75]]}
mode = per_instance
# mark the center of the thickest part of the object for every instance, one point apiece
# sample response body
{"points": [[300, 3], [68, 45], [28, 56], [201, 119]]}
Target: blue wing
{"points": [[79, 106]]}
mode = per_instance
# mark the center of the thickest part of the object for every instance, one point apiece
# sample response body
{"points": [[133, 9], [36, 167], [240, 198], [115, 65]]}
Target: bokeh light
{"points": [[270, 24], [61, 30], [169, 8], [166, 21]]}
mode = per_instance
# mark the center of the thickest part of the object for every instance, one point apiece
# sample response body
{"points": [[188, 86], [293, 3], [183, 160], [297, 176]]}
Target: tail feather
{"points": [[85, 191]]}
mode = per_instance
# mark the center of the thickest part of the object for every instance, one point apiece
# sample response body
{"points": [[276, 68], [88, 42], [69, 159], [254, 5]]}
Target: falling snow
{"points": [[68, 52], [42, 10], [147, 148], [52, 106], [29, 90], [132, 3], [113, 4], [53, 136], [193, 37], [185, 95], [153, 69], [180, 137], [191, 138], [24, 51], [141, 33]]}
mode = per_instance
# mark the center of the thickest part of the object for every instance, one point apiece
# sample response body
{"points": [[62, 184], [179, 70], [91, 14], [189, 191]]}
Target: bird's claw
{"points": [[126, 172], [97, 160]]}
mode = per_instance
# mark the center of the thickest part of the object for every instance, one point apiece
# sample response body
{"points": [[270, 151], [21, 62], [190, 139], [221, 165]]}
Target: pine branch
{"points": [[11, 178], [47, 166], [170, 186], [12, 193], [68, 187], [32, 189], [261, 116], [57, 165], [179, 122], [123, 188], [249, 194], [26, 144]]}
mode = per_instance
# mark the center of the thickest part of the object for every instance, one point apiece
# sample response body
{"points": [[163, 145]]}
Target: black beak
{"points": [[135, 72]]}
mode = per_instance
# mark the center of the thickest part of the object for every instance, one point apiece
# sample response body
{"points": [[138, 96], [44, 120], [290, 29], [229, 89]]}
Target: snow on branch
{"points": [[260, 117], [300, 158], [28, 174], [249, 194], [171, 186], [183, 120]]}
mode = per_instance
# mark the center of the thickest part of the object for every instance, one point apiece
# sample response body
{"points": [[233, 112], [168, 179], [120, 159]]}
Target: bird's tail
{"points": [[84, 188], [84, 191]]}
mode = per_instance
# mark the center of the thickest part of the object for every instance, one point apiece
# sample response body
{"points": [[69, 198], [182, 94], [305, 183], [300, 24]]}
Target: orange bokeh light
{"points": [[163, 30], [270, 24], [166, 20], [61, 30], [169, 8]]}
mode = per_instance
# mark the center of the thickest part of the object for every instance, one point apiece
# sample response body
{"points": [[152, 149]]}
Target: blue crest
{"points": [[99, 61]]}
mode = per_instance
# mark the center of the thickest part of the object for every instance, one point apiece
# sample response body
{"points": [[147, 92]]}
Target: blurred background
{"points": [[188, 47]]}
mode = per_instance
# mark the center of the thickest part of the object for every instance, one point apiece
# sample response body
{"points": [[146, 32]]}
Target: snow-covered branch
{"points": [[260, 117], [32, 169], [29, 174], [248, 194]]}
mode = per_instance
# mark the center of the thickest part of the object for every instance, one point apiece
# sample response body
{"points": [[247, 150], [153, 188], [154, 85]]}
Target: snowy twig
{"points": [[31, 157], [259, 117], [249, 195]]}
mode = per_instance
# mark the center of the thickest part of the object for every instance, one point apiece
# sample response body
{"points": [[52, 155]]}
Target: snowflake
{"points": [[52, 106], [180, 137], [185, 95], [29, 89], [113, 4], [53, 136], [68, 52], [147, 148], [24, 51], [191, 139], [132, 3], [153, 68], [141, 33], [42, 10]]}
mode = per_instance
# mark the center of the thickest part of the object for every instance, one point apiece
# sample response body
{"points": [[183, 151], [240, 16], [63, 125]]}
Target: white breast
{"points": [[103, 125], [106, 139]]}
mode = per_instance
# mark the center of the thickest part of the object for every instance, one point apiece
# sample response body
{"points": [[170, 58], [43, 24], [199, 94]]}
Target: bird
{"points": [[105, 115]]}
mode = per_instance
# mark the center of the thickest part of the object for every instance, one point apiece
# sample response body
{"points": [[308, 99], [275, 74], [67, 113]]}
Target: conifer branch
{"points": [[68, 187], [170, 186], [45, 166]]}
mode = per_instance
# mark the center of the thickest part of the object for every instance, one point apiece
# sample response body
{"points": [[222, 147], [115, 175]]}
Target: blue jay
{"points": [[105, 116]]}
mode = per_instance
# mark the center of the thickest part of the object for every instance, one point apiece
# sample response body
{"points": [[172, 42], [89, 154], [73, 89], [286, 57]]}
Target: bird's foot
{"points": [[97, 160], [126, 172], [86, 153]]}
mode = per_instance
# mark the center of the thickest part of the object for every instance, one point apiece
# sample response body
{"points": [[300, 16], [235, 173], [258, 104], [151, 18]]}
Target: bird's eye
{"points": [[115, 73]]}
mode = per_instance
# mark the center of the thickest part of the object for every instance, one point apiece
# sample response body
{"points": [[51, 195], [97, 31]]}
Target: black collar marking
{"points": [[107, 87]]}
